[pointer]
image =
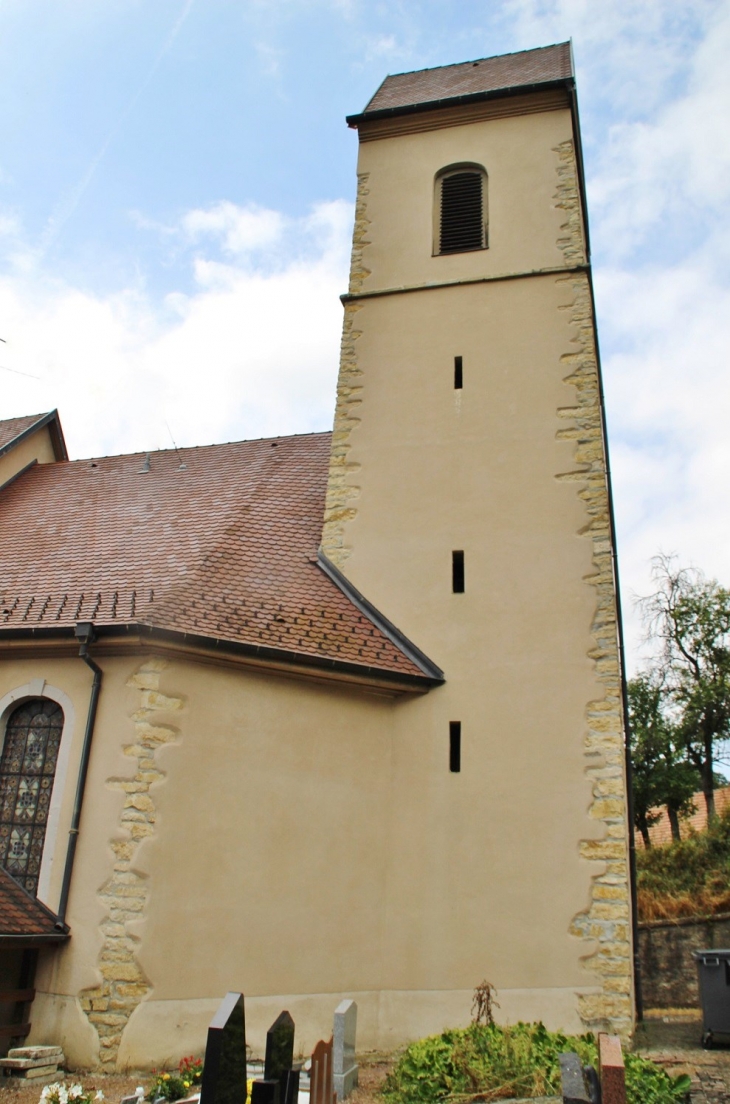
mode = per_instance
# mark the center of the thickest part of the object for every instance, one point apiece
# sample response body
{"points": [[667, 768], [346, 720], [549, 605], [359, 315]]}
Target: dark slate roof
{"points": [[22, 915], [486, 76], [218, 542]]}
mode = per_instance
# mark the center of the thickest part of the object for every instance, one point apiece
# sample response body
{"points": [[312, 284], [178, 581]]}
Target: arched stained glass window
{"points": [[27, 767]]}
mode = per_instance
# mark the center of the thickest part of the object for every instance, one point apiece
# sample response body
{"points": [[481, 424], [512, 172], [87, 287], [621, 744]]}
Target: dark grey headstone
{"points": [[224, 1072], [572, 1080], [291, 1089], [279, 1053], [265, 1092]]}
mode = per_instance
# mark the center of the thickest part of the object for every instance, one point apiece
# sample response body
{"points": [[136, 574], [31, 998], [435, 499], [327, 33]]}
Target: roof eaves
{"points": [[54, 428], [454, 101], [377, 676], [34, 940], [396, 637]]}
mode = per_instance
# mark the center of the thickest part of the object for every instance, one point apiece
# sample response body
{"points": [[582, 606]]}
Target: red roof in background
{"points": [[13, 427], [468, 78], [660, 833], [12, 430], [23, 915], [219, 542]]}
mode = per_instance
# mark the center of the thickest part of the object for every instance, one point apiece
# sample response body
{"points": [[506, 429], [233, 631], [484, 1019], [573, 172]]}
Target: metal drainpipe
{"points": [[84, 632]]}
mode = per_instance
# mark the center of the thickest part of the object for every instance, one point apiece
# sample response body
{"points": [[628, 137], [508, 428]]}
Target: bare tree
{"points": [[689, 616]]}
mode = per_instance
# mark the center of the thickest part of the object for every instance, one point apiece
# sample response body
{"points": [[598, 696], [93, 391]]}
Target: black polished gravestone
{"points": [[224, 1071], [280, 1084]]}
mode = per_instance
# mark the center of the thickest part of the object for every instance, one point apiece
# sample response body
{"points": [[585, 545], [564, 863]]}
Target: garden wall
{"points": [[668, 970]]}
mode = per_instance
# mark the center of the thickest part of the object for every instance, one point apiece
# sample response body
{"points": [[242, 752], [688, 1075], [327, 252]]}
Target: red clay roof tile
{"points": [[493, 74], [21, 914], [220, 542], [11, 428]]}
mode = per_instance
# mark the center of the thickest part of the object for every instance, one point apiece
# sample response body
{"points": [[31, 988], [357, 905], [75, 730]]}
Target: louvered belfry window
{"points": [[462, 211], [27, 768]]}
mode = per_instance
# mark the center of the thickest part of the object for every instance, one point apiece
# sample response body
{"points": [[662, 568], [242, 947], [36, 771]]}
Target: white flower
{"points": [[99, 1095]]}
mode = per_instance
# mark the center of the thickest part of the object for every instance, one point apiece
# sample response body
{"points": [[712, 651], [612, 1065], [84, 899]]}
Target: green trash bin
{"points": [[713, 970]]}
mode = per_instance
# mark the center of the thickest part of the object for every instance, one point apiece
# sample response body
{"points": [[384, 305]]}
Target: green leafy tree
{"points": [[689, 617], [661, 773]]}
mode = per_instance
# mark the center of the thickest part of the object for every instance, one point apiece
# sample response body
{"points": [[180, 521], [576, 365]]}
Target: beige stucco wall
{"points": [[37, 446], [234, 835]]}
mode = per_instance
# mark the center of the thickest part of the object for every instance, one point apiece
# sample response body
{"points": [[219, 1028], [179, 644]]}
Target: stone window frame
{"points": [[39, 688], [440, 176]]}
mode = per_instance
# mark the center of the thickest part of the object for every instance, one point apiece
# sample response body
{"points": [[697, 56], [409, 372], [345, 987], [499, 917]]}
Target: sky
{"points": [[172, 172]]}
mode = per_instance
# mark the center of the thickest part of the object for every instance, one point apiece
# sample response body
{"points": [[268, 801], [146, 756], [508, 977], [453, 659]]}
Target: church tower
{"points": [[469, 499]]}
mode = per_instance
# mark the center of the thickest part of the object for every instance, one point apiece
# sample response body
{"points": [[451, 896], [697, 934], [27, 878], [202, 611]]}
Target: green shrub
{"points": [[494, 1063]]}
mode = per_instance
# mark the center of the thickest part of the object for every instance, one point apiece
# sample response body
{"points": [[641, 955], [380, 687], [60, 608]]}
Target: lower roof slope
{"points": [[218, 542], [23, 917]]}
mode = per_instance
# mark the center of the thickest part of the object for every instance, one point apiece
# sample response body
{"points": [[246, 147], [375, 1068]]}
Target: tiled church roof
{"points": [[486, 75], [22, 915], [219, 542]]}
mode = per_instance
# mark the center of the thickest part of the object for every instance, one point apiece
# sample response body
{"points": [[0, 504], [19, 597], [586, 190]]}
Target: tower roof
{"points": [[480, 79]]}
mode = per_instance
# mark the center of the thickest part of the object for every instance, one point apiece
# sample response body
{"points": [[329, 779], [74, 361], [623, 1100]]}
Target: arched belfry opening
{"points": [[461, 209]]}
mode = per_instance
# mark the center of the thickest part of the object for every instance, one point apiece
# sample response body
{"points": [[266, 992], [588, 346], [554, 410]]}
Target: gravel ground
{"points": [[373, 1070], [672, 1039]]}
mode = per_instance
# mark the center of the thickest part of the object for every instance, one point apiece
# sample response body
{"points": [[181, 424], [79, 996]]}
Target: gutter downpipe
{"points": [[638, 994], [84, 632]]}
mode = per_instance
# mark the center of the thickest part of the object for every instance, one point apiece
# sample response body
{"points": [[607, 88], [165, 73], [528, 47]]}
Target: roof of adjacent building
{"points": [[219, 542], [14, 427], [14, 430], [22, 915], [473, 79]]}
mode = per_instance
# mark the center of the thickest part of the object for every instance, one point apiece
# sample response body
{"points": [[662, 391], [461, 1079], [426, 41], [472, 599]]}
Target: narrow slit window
{"points": [[458, 373], [454, 746], [462, 223], [457, 572]]}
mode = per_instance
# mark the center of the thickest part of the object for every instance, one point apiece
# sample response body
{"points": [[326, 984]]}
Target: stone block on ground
{"points": [[50, 1053]]}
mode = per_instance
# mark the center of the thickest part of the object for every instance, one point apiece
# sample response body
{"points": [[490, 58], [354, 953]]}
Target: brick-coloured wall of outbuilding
{"points": [[668, 970]]}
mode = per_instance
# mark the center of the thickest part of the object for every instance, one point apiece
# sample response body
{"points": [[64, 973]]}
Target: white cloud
{"points": [[247, 353], [668, 391], [654, 87], [240, 229]]}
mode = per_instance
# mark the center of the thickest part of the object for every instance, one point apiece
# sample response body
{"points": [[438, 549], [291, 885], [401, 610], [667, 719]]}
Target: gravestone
{"points": [[280, 1052], [344, 1068], [572, 1080], [280, 1084], [224, 1071], [611, 1069], [320, 1075]]}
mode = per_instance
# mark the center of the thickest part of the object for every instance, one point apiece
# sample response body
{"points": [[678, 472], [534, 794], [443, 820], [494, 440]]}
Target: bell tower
{"points": [[468, 499]]}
